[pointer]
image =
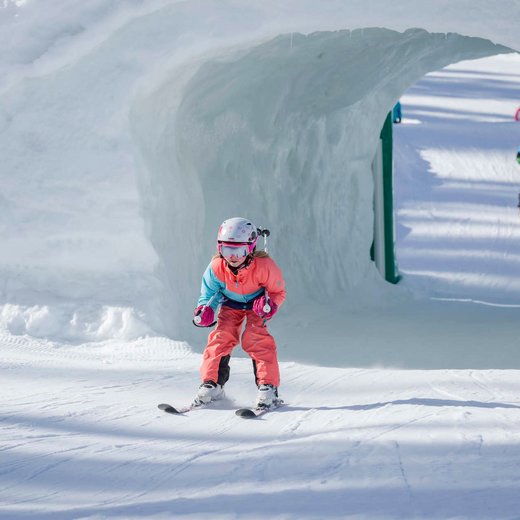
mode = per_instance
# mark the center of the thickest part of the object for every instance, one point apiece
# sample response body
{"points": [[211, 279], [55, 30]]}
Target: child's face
{"points": [[235, 262]]}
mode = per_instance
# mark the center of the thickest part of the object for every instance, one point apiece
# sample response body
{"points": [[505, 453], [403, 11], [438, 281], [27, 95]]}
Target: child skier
{"points": [[250, 287]]}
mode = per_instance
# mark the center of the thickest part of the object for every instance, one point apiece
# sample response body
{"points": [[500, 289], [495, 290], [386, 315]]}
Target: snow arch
{"points": [[284, 133]]}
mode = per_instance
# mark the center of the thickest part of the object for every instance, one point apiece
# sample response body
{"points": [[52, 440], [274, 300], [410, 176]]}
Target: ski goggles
{"points": [[235, 250]]}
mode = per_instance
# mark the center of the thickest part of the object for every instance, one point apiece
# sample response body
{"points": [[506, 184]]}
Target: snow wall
{"points": [[125, 146], [284, 133]]}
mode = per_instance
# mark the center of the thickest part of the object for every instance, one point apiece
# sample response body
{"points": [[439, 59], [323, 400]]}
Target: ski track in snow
{"points": [[80, 439]]}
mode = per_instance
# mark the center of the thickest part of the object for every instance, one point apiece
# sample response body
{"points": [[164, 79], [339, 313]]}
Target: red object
{"points": [[517, 115], [207, 316], [256, 341], [258, 307]]}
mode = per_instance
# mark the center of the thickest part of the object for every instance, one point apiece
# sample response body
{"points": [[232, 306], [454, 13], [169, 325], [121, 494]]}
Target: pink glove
{"points": [[205, 316], [259, 304]]}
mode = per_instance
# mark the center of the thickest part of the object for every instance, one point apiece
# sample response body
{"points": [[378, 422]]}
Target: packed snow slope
{"points": [[81, 438], [129, 130]]}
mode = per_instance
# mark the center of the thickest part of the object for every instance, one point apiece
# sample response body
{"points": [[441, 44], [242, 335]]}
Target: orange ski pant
{"points": [[256, 341]]}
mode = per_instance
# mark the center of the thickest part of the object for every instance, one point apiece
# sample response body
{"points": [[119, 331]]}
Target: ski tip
{"points": [[246, 413], [168, 408]]}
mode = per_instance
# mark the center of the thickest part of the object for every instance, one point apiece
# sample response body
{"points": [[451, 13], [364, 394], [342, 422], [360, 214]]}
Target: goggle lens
{"points": [[235, 251]]}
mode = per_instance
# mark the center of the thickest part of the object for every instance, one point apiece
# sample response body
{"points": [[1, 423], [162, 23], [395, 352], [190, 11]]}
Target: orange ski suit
{"points": [[238, 291]]}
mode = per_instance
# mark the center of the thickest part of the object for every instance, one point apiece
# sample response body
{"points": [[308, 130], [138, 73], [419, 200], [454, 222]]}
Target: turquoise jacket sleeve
{"points": [[210, 286]]}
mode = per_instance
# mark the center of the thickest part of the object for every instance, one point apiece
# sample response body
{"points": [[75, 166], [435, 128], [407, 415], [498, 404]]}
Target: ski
{"points": [[253, 413], [246, 413], [168, 408]]}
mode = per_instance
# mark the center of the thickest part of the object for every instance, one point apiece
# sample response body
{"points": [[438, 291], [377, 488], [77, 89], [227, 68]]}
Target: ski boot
{"points": [[267, 395], [208, 391]]}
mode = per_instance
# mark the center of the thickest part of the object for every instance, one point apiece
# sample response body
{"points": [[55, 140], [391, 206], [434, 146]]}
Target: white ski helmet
{"points": [[238, 230]]}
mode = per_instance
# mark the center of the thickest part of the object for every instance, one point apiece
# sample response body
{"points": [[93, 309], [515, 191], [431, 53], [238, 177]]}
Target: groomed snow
{"points": [[81, 438]]}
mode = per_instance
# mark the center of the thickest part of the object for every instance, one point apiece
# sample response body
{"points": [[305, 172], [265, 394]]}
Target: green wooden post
{"points": [[390, 266], [388, 197]]}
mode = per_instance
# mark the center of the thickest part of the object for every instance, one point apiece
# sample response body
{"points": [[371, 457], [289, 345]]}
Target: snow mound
{"points": [[72, 323], [124, 152]]}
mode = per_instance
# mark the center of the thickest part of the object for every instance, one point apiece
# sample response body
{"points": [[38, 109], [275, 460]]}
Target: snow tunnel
{"points": [[284, 133]]}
